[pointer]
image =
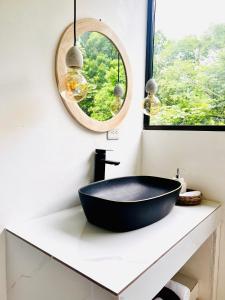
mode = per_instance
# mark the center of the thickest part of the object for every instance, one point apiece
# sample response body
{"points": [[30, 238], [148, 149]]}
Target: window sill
{"points": [[185, 127]]}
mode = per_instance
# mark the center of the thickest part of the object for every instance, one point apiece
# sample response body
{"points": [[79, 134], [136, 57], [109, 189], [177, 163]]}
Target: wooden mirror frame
{"points": [[66, 41]]}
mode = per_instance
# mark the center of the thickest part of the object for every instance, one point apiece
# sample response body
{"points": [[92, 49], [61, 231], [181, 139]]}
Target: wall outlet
{"points": [[113, 134]]}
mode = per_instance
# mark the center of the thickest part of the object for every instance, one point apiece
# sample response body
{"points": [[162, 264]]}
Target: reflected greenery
{"points": [[101, 71]]}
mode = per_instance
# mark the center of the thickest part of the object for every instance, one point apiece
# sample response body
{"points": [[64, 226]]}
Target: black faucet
{"points": [[100, 162]]}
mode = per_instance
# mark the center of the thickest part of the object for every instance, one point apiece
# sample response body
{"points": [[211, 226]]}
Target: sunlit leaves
{"points": [[191, 77], [101, 70]]}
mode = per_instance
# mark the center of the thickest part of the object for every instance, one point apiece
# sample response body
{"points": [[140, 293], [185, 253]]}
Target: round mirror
{"points": [[107, 71]]}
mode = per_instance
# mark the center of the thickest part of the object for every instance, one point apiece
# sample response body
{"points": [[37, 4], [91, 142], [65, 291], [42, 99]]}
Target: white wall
{"points": [[44, 154], [201, 159]]}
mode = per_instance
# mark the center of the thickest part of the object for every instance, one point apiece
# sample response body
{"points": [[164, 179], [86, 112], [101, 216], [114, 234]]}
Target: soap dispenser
{"points": [[182, 181]]}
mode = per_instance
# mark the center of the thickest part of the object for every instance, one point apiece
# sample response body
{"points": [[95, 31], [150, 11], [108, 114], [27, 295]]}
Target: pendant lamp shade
{"points": [[118, 91], [151, 104], [74, 58]]}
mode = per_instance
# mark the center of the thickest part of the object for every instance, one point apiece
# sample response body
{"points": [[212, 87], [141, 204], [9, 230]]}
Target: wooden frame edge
{"points": [[84, 25]]}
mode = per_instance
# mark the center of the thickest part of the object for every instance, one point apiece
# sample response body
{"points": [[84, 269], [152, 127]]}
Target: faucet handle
{"points": [[100, 151]]}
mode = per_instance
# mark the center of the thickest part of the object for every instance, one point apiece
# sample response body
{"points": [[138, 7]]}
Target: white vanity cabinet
{"points": [[62, 256]]}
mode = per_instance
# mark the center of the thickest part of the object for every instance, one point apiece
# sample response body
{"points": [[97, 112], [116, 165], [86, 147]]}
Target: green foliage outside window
{"points": [[190, 73]]}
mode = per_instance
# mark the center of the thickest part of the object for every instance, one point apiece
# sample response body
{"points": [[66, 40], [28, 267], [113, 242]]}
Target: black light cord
{"points": [[118, 67], [74, 23]]}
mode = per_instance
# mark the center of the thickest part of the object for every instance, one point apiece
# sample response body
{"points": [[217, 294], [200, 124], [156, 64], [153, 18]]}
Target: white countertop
{"points": [[112, 260]]}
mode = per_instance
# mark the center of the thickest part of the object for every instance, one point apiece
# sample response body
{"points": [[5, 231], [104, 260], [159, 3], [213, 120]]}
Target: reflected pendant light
{"points": [[151, 104], [75, 83], [118, 92]]}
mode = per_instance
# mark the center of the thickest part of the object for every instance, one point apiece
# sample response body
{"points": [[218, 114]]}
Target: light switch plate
{"points": [[113, 134]]}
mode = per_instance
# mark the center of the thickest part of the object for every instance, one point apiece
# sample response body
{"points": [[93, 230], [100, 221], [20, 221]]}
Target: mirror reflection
{"points": [[106, 76]]}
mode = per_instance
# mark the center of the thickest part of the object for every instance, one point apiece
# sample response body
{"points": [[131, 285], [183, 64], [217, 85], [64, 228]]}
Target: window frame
{"points": [[151, 8]]}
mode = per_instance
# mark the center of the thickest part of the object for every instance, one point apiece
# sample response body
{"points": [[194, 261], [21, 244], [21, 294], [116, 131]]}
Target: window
{"points": [[186, 56]]}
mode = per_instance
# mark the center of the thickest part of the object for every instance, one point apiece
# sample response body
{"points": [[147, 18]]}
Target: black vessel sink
{"points": [[128, 203]]}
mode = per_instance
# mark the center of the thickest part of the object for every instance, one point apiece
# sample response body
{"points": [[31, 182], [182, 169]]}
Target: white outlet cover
{"points": [[113, 134]]}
